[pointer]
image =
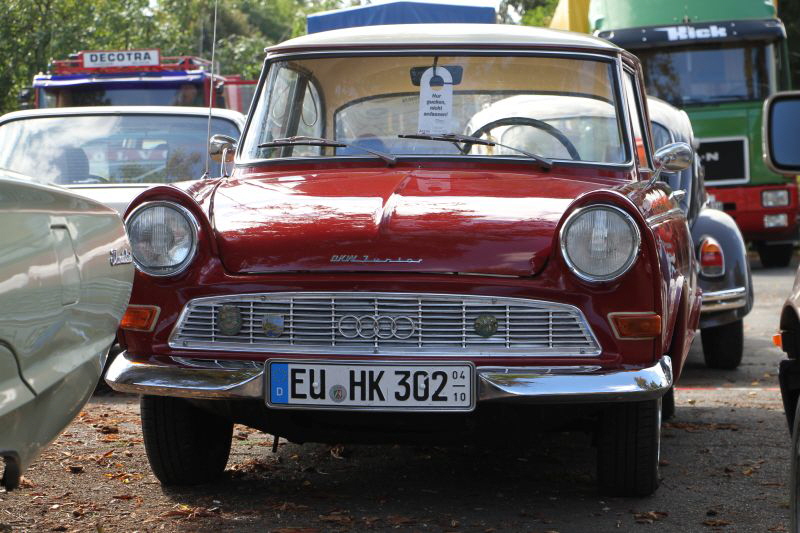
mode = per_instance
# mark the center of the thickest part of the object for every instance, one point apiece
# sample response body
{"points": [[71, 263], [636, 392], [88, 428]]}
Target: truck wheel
{"points": [[185, 444], [775, 255], [668, 404], [628, 447], [723, 345], [794, 479]]}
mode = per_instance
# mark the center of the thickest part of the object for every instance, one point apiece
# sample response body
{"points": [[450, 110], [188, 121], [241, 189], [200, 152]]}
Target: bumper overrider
{"points": [[528, 384], [724, 300]]}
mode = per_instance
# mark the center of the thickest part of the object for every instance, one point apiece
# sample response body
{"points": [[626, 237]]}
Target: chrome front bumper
{"points": [[724, 300], [572, 384]]}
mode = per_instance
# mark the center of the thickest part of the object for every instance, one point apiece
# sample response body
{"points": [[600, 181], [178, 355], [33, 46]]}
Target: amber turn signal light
{"points": [[140, 317], [777, 340], [636, 325]]}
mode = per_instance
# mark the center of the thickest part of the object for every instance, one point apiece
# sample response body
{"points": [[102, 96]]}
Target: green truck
{"points": [[719, 60]]}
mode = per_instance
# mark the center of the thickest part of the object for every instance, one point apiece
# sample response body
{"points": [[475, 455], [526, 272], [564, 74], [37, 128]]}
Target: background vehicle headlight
{"points": [[600, 243], [775, 198], [163, 238]]}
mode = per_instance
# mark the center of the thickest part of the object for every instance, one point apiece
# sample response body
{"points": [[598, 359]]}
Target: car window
{"points": [[115, 149], [637, 123]]}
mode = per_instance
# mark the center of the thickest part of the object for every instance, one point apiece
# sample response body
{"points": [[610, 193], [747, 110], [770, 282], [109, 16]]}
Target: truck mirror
{"points": [[25, 97], [781, 133]]}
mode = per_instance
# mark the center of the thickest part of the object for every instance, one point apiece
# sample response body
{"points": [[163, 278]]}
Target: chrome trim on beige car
{"points": [[724, 300], [530, 384]]}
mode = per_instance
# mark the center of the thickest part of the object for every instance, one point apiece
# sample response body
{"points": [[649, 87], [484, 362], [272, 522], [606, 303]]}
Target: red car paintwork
{"points": [[274, 228], [744, 205]]}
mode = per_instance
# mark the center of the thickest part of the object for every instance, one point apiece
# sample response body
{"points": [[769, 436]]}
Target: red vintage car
{"points": [[404, 254]]}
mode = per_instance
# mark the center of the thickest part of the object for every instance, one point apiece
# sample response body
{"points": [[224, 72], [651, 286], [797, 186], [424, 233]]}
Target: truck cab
{"points": [[719, 61], [134, 77]]}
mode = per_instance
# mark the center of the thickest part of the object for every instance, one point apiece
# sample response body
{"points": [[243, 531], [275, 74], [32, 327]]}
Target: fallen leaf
{"points": [[288, 506], [715, 522], [337, 517], [123, 497], [108, 430], [337, 452], [397, 520]]}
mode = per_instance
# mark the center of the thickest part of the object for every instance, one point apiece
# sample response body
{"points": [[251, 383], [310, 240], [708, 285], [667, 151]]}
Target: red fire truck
{"points": [[135, 77]]}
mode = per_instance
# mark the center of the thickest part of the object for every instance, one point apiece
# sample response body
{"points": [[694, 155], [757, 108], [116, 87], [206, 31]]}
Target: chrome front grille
{"points": [[390, 324]]}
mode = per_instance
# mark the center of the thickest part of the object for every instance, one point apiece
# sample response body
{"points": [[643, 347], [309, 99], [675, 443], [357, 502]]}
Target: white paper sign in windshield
{"points": [[435, 101], [121, 58]]}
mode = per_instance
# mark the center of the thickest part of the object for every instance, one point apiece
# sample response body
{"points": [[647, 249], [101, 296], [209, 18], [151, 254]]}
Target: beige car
{"points": [[65, 280]]}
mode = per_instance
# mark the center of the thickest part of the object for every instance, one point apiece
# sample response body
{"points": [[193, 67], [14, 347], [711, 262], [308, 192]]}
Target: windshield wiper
{"points": [[466, 140], [302, 140]]}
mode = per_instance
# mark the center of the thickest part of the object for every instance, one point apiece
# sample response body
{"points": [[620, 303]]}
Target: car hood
{"points": [[117, 197], [407, 220]]}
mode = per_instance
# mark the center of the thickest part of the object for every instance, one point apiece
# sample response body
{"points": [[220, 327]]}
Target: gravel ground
{"points": [[724, 468]]}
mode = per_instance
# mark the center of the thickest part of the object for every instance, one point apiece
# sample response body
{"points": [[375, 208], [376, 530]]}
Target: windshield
{"points": [[186, 94], [75, 150], [556, 107], [711, 73]]}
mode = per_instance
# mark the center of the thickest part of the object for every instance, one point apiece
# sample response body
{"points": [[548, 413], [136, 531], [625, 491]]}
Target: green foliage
{"points": [[532, 12]]}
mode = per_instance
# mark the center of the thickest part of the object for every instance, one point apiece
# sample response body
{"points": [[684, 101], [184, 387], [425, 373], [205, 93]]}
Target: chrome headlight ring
{"points": [[193, 231], [635, 237]]}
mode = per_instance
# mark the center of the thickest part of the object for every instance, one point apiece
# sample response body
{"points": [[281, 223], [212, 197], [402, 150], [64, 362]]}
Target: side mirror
{"points": [[221, 148], [781, 133], [673, 157]]}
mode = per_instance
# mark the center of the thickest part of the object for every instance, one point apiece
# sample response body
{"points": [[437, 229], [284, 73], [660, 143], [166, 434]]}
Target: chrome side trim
{"points": [[666, 215], [724, 300], [568, 384]]}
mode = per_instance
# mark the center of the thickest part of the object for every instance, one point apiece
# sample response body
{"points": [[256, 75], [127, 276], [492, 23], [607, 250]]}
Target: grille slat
{"points": [[442, 325]]}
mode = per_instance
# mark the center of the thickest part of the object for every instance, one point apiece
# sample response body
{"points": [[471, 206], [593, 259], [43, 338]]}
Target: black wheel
{"points": [[723, 345], [775, 255], [628, 447], [668, 404], [185, 444], [794, 480]]}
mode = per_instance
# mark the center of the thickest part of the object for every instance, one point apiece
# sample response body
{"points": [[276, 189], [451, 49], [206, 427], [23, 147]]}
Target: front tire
{"points": [[668, 404], [628, 448], [775, 255], [185, 445], [723, 345]]}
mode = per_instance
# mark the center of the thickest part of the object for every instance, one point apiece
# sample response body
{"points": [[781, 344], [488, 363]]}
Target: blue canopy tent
{"points": [[400, 12]]}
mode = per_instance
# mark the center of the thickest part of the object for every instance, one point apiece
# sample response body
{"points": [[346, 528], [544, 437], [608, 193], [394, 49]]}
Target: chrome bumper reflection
{"points": [[724, 300], [574, 384]]}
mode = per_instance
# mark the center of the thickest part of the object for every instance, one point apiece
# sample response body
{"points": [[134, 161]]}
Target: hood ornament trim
{"points": [[367, 259]]}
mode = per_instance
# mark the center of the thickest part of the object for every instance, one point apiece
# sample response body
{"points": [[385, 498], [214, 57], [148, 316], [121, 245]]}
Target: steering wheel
{"points": [[532, 122]]}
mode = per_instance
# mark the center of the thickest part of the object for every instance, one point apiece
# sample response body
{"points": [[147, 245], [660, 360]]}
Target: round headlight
{"points": [[163, 238], [599, 243]]}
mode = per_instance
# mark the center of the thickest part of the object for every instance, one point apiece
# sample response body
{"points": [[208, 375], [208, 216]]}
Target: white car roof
{"points": [[229, 114], [419, 35]]}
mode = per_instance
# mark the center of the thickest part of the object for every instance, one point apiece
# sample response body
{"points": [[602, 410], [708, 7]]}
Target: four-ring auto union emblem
{"points": [[377, 326]]}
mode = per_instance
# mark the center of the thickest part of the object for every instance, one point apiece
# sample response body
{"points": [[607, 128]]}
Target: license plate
{"points": [[371, 386]]}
